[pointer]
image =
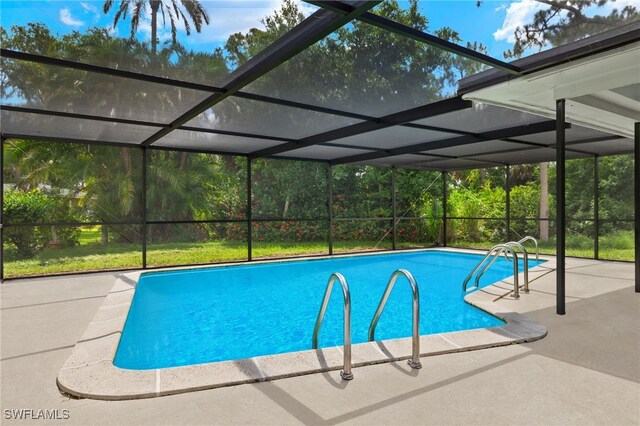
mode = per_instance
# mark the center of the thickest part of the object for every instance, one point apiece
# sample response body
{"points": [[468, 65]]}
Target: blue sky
{"points": [[491, 24]]}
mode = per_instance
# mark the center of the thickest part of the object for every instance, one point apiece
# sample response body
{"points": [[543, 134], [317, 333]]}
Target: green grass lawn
{"points": [[616, 246], [90, 255]]}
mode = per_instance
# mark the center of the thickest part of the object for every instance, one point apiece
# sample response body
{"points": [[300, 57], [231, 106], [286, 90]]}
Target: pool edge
{"points": [[89, 371]]}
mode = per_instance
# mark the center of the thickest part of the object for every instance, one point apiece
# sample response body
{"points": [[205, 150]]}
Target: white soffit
{"points": [[585, 83]]}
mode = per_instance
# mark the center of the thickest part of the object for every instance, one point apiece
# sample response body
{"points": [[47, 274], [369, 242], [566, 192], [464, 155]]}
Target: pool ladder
{"points": [[494, 253], [346, 370], [346, 374], [414, 362], [530, 238]]}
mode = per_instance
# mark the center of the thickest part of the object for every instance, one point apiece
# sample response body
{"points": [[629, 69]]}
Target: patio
{"points": [[584, 372]]}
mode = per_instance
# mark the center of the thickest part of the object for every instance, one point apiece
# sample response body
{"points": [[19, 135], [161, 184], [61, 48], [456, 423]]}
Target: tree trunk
{"points": [[183, 161], [544, 201], [155, 6], [126, 159], [104, 235], [286, 208]]}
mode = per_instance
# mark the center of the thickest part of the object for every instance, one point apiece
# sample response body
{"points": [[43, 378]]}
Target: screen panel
{"points": [[478, 193], [361, 192], [323, 152], [50, 182], [60, 89], [349, 70], [481, 118], [45, 126], [580, 238], [616, 187], [418, 193], [616, 240], [286, 189], [48, 250], [188, 186], [580, 189], [196, 243], [476, 233], [416, 233], [362, 235], [393, 137], [268, 119], [213, 142], [274, 239]]}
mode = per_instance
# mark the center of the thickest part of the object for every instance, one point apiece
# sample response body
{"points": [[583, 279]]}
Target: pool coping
{"points": [[89, 371]]}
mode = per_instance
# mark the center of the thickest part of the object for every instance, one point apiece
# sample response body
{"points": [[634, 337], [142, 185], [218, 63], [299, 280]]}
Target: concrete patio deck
{"points": [[586, 371]]}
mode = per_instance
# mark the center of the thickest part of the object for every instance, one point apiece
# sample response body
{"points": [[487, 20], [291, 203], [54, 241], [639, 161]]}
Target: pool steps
{"points": [[494, 253]]}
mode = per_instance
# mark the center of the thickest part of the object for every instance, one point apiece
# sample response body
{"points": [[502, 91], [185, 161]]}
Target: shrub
{"points": [[34, 207], [25, 207]]}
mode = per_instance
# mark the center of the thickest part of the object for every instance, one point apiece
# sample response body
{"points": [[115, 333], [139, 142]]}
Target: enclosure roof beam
{"points": [[510, 132], [308, 32], [419, 36], [529, 146], [395, 119]]}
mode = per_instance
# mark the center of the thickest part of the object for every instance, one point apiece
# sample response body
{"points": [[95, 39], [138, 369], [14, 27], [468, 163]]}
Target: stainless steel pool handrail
{"points": [[489, 253], [503, 248], [525, 261], [414, 362], [346, 369], [530, 238]]}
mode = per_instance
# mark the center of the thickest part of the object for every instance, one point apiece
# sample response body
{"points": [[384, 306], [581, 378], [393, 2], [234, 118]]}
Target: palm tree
{"points": [[544, 201], [193, 10]]}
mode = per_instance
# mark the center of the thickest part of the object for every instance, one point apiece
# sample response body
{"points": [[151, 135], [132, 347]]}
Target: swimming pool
{"points": [[226, 313]]}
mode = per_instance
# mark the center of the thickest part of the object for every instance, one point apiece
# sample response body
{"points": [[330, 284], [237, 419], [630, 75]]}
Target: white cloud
{"points": [[67, 19], [91, 11], [89, 7], [518, 14], [230, 17]]}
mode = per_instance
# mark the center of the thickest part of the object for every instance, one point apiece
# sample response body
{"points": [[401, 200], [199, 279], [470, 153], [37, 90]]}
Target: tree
{"points": [[544, 201], [193, 8], [565, 21]]}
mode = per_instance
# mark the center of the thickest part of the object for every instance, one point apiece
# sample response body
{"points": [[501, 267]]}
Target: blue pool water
{"points": [[225, 313]]}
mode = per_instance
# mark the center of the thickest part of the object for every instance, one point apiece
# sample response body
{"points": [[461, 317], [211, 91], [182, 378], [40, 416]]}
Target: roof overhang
{"points": [[602, 91]]}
